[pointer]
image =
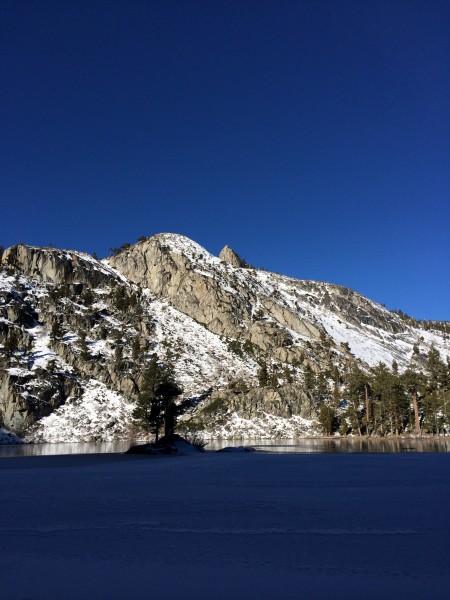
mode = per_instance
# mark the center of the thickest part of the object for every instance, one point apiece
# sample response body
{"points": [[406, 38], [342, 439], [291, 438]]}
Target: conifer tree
{"points": [[273, 378], [327, 419], [84, 348], [322, 386], [310, 379], [336, 389], [135, 349], [357, 380], [120, 298], [436, 369], [156, 401], [118, 356], [436, 396], [392, 405], [88, 296], [263, 374], [415, 386], [56, 331]]}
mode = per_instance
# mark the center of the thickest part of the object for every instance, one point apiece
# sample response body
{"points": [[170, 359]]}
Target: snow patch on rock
{"points": [[99, 415]]}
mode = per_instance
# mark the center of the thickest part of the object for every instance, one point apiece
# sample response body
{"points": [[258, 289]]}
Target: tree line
{"points": [[384, 401]]}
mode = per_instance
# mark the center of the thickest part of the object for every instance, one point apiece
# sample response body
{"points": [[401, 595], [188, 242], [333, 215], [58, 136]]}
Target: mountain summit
{"points": [[256, 353]]}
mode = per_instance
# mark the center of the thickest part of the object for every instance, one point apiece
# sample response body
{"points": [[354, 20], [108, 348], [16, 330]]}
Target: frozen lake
{"points": [[298, 445], [340, 445], [217, 525], [63, 448]]}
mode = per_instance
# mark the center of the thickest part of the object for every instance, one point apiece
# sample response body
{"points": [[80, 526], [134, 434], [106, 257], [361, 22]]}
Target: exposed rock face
{"points": [[289, 319], [221, 297], [24, 398], [225, 298], [229, 256], [50, 265], [285, 401], [257, 413], [185, 278]]}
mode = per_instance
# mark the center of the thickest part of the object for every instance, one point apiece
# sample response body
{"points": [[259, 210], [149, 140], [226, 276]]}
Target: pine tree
{"points": [[118, 356], [84, 348], [436, 396], [336, 387], [132, 300], [56, 332], [135, 349], [273, 378], [263, 374], [309, 378], [287, 375], [392, 411], [356, 384], [415, 386], [156, 401], [327, 419], [120, 298], [322, 387], [436, 368], [88, 297], [433, 421]]}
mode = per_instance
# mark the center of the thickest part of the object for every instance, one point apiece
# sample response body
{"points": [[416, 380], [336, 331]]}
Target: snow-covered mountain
{"points": [[76, 333]]}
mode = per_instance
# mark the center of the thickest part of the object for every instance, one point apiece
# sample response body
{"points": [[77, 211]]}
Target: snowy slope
{"points": [[217, 525], [373, 333], [98, 415]]}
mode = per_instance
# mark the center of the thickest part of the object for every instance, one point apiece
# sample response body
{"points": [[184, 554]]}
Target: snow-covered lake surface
{"points": [[297, 445], [218, 525]]}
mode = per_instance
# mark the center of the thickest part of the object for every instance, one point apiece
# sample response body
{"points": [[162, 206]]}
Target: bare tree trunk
{"points": [[366, 392], [416, 412]]}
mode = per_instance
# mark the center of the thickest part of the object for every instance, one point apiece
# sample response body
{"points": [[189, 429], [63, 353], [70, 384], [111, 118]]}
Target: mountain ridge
{"points": [[217, 319]]}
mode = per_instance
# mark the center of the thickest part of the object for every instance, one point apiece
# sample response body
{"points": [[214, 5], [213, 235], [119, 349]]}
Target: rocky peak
{"points": [[194, 281], [229, 256]]}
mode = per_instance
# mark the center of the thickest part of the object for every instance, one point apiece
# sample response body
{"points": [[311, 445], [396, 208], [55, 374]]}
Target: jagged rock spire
{"points": [[229, 256]]}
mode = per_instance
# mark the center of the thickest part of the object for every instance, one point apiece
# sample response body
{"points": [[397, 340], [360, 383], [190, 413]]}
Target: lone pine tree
{"points": [[155, 405]]}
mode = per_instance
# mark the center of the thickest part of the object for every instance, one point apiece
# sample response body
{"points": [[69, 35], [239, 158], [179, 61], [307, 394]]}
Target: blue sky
{"points": [[312, 137]]}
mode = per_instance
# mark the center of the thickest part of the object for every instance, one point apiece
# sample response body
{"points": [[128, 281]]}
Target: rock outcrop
{"points": [[229, 256], [187, 279], [26, 396], [285, 401], [50, 265]]}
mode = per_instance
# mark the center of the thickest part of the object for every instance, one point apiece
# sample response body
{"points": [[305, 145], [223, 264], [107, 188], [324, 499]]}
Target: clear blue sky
{"points": [[311, 136]]}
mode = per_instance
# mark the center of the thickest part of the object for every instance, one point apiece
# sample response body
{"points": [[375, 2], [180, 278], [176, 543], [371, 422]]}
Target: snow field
{"points": [[99, 415], [264, 426], [238, 525]]}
